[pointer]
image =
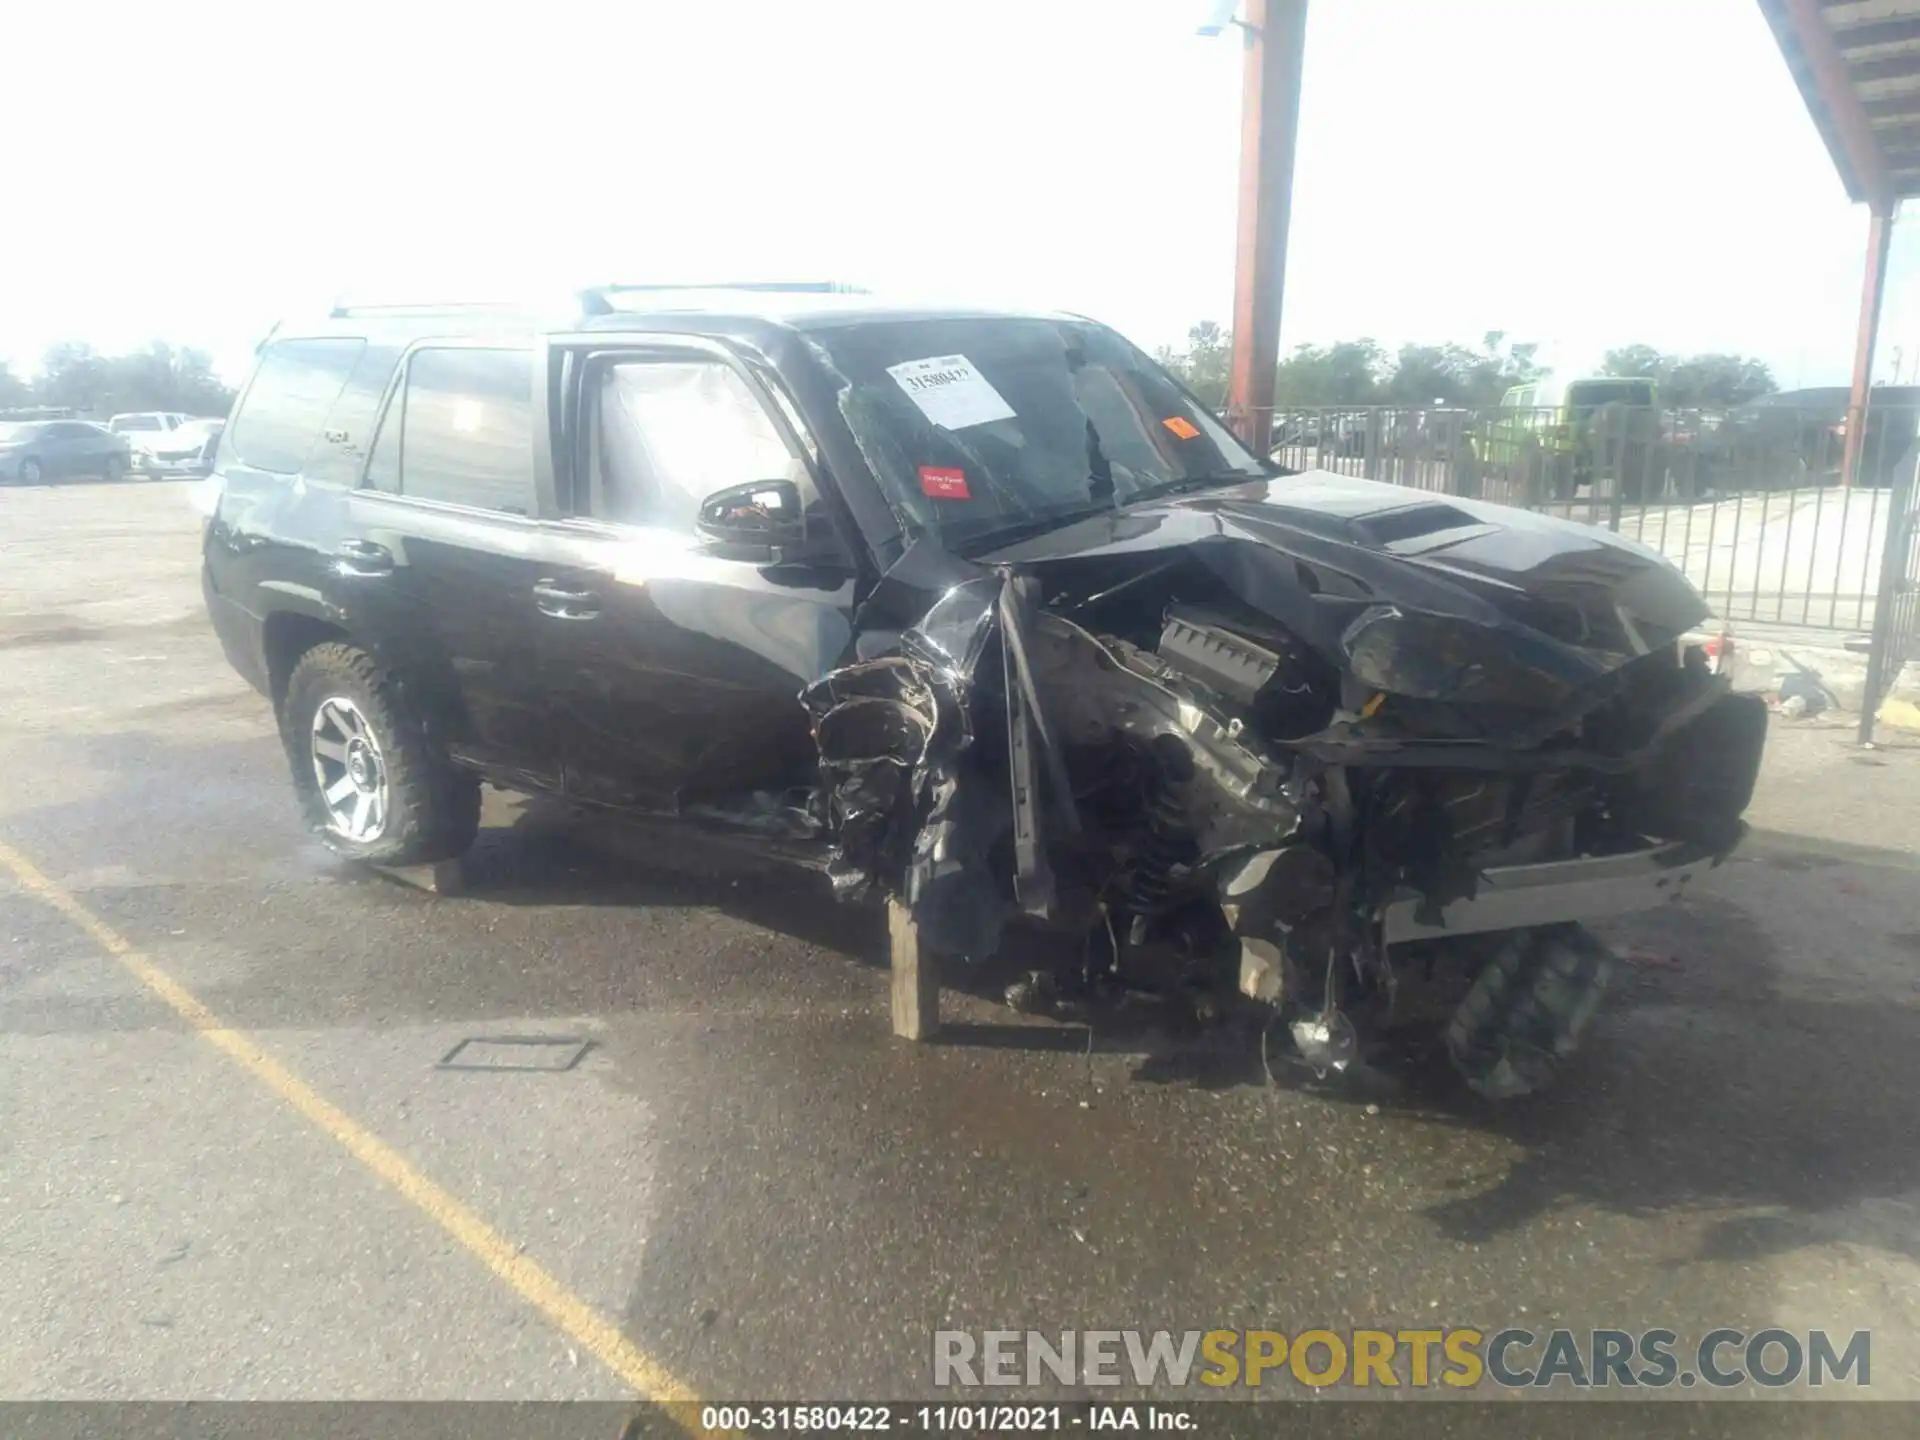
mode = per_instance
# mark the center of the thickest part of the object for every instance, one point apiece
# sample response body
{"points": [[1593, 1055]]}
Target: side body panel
{"points": [[444, 598], [684, 685]]}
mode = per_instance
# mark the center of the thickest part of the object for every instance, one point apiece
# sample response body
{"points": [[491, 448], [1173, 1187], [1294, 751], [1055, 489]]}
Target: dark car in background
{"points": [[32, 451], [1795, 438]]}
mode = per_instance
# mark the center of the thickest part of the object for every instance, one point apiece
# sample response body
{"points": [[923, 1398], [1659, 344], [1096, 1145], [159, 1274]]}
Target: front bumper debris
{"points": [[1514, 897]]}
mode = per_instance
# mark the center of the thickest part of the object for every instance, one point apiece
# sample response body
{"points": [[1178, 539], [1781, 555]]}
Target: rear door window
{"points": [[284, 408], [465, 429]]}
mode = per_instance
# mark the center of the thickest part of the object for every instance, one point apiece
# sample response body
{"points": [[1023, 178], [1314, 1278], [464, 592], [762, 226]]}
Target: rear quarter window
{"points": [[346, 439], [292, 392]]}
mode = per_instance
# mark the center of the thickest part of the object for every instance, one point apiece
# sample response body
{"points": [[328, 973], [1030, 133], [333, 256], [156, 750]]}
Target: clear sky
{"points": [[1582, 173]]}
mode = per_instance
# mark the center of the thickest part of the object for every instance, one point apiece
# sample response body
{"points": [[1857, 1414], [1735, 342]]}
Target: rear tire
{"points": [[31, 472], [371, 783]]}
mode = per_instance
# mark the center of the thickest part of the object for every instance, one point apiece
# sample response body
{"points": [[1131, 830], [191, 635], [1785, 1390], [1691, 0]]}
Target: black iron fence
{"points": [[1752, 504]]}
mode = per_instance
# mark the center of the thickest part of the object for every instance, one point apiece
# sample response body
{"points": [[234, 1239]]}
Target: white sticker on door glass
{"points": [[950, 392]]}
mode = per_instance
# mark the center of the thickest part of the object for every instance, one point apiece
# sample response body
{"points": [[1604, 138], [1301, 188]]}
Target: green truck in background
{"points": [[1562, 435]]}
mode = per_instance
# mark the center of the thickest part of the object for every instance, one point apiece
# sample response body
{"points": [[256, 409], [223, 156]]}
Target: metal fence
{"points": [[1749, 503]]}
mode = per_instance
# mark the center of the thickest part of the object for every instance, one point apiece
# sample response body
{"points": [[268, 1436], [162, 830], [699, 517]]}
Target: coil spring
{"points": [[1149, 888]]}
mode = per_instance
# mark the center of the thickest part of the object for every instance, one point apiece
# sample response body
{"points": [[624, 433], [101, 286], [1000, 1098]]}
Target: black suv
{"points": [[991, 616]]}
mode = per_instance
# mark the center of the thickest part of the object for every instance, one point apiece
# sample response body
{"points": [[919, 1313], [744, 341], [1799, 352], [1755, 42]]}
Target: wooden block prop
{"points": [[916, 978]]}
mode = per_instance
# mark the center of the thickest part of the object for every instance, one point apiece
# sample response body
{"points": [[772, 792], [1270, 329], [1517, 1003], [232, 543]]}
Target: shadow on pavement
{"points": [[1703, 1088], [1707, 1088]]}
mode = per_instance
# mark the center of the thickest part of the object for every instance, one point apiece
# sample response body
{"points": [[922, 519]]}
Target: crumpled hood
{"points": [[1434, 597]]}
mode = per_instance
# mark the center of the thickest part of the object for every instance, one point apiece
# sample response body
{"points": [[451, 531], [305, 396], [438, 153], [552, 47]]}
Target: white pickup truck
{"points": [[165, 442]]}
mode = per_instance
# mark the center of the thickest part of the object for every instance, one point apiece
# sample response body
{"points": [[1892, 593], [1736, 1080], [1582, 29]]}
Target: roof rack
{"points": [[598, 299], [342, 311]]}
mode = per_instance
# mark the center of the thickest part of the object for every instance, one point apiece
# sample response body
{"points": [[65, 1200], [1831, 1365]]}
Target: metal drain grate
{"points": [[516, 1052]]}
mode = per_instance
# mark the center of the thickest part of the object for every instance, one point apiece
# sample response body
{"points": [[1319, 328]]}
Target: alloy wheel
{"points": [[350, 770]]}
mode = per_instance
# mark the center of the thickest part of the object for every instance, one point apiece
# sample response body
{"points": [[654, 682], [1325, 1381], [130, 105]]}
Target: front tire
{"points": [[31, 472], [1528, 1008], [113, 470], [371, 783]]}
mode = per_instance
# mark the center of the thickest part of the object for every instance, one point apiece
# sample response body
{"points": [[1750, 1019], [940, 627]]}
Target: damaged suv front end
{"points": [[1261, 741]]}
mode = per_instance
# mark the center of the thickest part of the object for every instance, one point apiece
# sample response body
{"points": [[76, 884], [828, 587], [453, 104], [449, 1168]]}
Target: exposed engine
{"points": [[1224, 814]]}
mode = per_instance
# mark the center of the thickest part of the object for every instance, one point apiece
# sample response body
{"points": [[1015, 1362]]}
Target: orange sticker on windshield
{"points": [[1181, 426], [944, 484]]}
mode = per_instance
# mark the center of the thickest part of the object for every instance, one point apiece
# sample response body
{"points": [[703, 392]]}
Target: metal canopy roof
{"points": [[1857, 62]]}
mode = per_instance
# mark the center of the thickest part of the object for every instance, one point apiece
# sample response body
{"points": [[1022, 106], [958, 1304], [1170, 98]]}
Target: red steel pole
{"points": [[1879, 240], [1275, 36]]}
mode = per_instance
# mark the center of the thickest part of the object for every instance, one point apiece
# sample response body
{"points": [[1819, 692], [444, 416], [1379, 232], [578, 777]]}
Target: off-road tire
{"points": [[1528, 1008], [433, 808]]}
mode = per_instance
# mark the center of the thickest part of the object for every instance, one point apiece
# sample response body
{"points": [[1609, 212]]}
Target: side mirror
{"points": [[754, 522]]}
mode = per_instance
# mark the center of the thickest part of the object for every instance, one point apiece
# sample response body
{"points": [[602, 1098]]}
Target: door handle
{"points": [[363, 557], [563, 603]]}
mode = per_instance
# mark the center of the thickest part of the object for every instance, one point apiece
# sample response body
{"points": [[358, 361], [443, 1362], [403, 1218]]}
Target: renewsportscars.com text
{"points": [[1459, 1358]]}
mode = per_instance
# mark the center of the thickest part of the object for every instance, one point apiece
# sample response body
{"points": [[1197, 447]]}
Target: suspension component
{"points": [[1149, 887]]}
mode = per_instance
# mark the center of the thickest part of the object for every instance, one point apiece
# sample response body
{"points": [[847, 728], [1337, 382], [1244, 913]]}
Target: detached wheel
{"points": [[372, 784]]}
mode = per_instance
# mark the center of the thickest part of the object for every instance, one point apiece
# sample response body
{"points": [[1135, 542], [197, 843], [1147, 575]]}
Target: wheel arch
{"points": [[285, 637]]}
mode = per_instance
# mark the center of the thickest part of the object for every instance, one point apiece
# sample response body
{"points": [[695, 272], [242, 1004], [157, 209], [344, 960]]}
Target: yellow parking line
{"points": [[573, 1316]]}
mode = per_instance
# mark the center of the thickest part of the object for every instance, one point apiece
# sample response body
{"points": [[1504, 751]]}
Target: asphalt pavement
{"points": [[745, 1182]]}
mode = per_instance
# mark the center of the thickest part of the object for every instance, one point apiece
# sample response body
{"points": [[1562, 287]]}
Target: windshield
{"points": [[975, 425]]}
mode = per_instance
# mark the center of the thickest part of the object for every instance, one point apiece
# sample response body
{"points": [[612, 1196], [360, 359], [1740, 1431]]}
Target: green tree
{"points": [[1344, 373], [70, 374], [1642, 360], [198, 389], [1709, 381], [14, 392], [1204, 365], [1360, 372], [1428, 375], [1499, 367], [159, 377], [1454, 374]]}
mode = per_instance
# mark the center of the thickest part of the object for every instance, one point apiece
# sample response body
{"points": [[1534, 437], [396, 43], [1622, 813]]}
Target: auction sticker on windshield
{"points": [[950, 392], [944, 484]]}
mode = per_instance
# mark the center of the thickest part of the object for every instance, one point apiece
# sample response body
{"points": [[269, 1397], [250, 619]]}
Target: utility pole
{"points": [[1274, 35]]}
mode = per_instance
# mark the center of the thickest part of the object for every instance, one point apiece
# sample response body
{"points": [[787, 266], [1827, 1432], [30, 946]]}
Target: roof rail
{"points": [[598, 299], [342, 311]]}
